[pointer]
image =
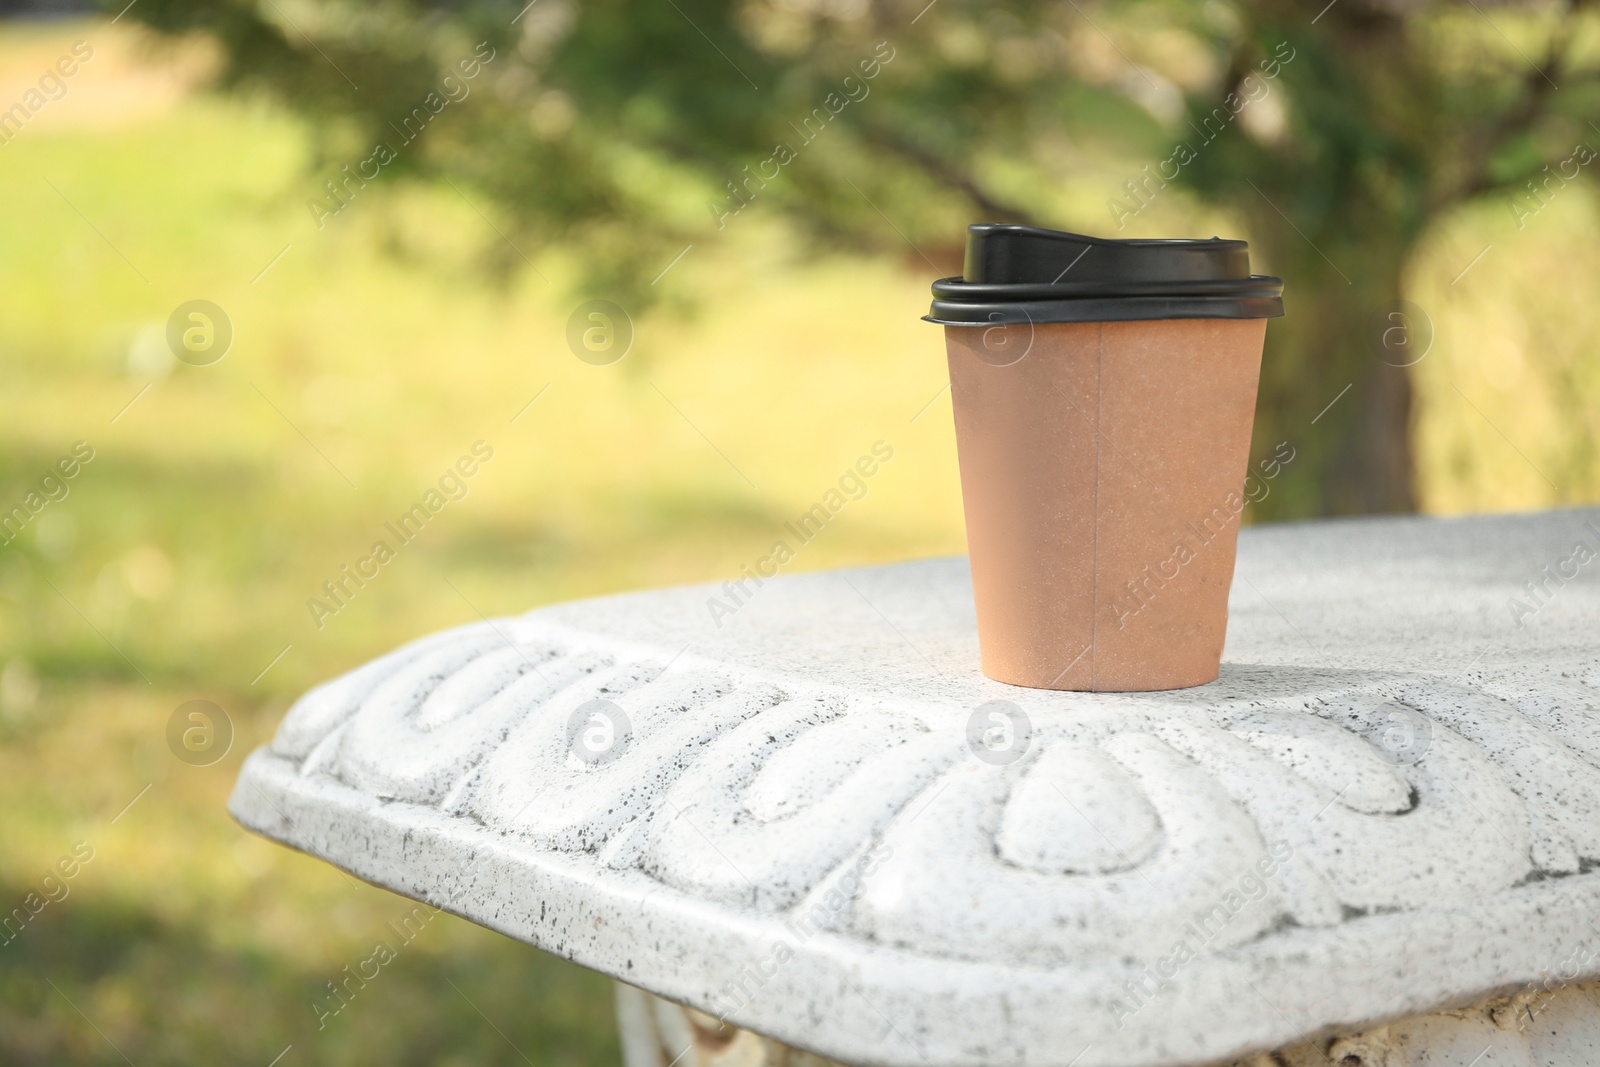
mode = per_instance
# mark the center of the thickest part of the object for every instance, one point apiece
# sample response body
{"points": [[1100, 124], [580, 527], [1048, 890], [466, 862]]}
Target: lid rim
{"points": [[958, 291], [1106, 309]]}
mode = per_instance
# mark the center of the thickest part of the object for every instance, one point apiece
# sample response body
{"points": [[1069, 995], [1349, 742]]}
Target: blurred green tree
{"points": [[628, 129]]}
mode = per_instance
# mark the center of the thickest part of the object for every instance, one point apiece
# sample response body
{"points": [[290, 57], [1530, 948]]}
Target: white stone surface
{"points": [[1558, 1027], [797, 803]]}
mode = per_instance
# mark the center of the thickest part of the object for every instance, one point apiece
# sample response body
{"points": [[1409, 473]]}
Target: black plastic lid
{"points": [[1026, 274]]}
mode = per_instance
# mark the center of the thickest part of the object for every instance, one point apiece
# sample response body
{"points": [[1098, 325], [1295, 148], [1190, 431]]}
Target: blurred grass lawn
{"points": [[365, 361]]}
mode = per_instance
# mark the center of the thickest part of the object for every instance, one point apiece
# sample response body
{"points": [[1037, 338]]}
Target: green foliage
{"points": [[630, 129]]}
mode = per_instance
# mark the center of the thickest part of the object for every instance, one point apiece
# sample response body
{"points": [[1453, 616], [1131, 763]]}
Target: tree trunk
{"points": [[1334, 377]]}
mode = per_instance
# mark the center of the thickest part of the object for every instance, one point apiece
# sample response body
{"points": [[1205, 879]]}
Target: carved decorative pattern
{"points": [[1100, 841]]}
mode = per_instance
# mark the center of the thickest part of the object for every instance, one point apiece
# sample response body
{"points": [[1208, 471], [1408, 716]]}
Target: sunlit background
{"points": [[430, 315]]}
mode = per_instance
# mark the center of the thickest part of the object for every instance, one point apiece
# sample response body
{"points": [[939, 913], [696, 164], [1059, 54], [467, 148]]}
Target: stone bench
{"points": [[812, 819]]}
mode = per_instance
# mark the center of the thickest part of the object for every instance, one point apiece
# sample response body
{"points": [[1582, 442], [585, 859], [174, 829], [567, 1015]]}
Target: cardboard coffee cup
{"points": [[1104, 393]]}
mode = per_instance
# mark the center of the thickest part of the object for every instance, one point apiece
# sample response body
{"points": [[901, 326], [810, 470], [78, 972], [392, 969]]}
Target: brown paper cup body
{"points": [[1102, 475]]}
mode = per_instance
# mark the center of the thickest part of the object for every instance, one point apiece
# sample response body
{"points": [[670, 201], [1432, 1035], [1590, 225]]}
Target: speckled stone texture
{"points": [[1555, 1027], [815, 819]]}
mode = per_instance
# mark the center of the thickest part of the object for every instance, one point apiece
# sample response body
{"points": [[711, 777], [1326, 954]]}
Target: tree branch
{"points": [[1488, 139], [948, 174]]}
